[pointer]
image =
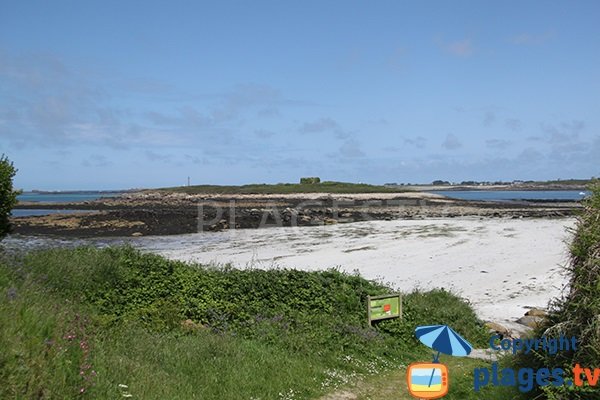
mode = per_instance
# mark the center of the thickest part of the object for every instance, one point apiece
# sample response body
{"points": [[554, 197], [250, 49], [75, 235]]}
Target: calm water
{"points": [[63, 197], [508, 195], [30, 213]]}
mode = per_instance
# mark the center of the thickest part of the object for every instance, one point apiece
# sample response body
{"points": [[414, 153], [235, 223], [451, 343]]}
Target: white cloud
{"points": [[451, 142]]}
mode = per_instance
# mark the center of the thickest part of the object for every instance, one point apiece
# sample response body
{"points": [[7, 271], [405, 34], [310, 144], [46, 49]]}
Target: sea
{"points": [[478, 195], [57, 197], [514, 195], [37, 212], [64, 197]]}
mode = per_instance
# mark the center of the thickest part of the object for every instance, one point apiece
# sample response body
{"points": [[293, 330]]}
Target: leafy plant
{"points": [[168, 329], [8, 196], [576, 313]]}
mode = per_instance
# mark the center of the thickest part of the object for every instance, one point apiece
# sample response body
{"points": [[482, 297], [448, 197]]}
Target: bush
{"points": [[174, 330], [8, 196], [577, 312], [294, 309]]}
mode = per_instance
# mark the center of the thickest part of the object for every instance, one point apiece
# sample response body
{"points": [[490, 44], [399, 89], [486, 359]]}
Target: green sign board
{"points": [[384, 307]]}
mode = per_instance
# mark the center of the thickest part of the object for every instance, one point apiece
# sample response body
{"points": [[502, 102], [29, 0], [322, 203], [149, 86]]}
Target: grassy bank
{"points": [[81, 322], [577, 312], [288, 188]]}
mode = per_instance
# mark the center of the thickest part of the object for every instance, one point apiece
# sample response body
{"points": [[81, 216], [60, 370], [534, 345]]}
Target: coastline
{"points": [[503, 257], [150, 213], [503, 267]]}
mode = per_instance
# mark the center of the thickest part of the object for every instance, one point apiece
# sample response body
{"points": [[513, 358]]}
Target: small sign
{"points": [[384, 307]]}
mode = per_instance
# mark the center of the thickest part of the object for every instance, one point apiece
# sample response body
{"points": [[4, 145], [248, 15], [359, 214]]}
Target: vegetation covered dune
{"points": [[577, 313], [105, 323], [315, 186]]}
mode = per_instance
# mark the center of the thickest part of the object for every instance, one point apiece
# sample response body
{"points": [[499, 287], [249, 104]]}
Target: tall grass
{"points": [[577, 313], [81, 322]]}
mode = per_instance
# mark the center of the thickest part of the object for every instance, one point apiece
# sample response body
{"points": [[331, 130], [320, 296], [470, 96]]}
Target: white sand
{"points": [[502, 266]]}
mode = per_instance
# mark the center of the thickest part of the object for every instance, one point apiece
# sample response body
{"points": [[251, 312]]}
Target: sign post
{"points": [[384, 307]]}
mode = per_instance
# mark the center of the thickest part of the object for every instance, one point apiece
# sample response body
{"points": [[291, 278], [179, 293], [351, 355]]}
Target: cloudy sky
{"points": [[121, 94]]}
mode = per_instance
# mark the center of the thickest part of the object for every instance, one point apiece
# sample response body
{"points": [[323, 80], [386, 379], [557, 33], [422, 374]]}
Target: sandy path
{"points": [[502, 266]]}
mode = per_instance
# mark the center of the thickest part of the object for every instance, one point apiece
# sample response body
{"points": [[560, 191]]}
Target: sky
{"points": [[131, 94]]}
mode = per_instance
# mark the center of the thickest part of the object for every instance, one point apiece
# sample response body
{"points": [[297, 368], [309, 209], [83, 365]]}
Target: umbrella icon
{"points": [[443, 339]]}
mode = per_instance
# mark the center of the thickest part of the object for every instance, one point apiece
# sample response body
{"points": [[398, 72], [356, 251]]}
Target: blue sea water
{"points": [[33, 212], [513, 195], [63, 197]]}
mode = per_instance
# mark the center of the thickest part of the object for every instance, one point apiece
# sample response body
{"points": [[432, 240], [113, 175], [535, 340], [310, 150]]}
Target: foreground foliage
{"points": [[577, 312], [81, 322], [8, 196]]}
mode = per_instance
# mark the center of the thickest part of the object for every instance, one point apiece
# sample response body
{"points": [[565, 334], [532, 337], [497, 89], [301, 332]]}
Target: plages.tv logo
{"points": [[430, 380]]}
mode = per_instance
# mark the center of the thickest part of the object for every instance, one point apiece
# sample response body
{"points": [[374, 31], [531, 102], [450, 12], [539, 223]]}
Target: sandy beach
{"points": [[502, 266]]}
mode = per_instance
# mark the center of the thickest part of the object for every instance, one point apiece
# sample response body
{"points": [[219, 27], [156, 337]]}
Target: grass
{"points": [[576, 313], [390, 385], [80, 322], [287, 188]]}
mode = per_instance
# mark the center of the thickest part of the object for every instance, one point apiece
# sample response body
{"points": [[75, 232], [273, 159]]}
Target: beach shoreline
{"points": [[152, 213], [503, 267]]}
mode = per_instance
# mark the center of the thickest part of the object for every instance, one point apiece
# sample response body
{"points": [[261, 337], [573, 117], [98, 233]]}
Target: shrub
{"points": [[8, 196], [169, 329], [577, 312]]}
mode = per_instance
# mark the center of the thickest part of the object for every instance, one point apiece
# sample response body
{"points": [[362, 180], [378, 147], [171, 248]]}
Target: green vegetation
{"points": [[80, 322], [388, 386], [576, 314], [8, 196], [286, 188]]}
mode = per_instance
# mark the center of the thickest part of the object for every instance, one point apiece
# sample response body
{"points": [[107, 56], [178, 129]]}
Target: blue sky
{"points": [[122, 94]]}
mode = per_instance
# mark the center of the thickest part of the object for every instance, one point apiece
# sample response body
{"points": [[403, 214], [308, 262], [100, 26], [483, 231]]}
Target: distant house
{"points": [[310, 180]]}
